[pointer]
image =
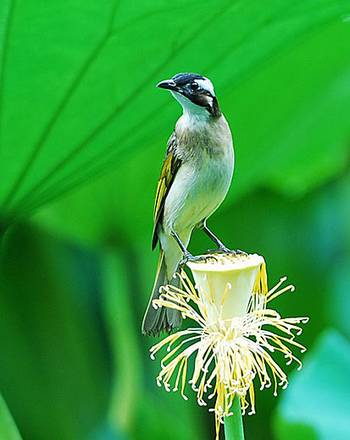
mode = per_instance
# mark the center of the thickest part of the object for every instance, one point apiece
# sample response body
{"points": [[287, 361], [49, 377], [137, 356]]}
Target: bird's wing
{"points": [[169, 169]]}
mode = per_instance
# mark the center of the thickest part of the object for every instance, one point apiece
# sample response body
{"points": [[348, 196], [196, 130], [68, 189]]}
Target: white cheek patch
{"points": [[206, 84]]}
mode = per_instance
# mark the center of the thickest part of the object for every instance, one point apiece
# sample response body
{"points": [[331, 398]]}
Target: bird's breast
{"points": [[200, 185]]}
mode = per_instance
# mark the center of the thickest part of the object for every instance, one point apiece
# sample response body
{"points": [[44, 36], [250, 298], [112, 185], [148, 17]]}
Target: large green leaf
{"points": [[77, 78], [289, 119], [316, 403]]}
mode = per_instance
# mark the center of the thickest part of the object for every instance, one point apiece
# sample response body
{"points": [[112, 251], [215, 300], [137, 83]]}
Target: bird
{"points": [[194, 180]]}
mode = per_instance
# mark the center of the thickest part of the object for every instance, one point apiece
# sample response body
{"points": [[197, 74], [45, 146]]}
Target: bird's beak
{"points": [[168, 84]]}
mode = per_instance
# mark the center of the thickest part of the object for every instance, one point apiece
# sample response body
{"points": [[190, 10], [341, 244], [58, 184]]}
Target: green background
{"points": [[82, 135]]}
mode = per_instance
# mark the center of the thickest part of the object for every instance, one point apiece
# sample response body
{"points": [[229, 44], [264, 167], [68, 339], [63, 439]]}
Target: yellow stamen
{"points": [[260, 285]]}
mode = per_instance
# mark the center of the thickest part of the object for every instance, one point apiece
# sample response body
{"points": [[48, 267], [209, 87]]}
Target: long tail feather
{"points": [[162, 319]]}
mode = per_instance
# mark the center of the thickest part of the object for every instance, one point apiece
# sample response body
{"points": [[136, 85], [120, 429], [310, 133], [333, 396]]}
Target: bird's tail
{"points": [[162, 319]]}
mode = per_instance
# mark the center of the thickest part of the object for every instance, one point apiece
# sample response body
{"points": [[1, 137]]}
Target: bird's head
{"points": [[194, 92]]}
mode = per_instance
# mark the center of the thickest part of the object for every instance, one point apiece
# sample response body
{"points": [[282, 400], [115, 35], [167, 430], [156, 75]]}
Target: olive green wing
{"points": [[169, 169]]}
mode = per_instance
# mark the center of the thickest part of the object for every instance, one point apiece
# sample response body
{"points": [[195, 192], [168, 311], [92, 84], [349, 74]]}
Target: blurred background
{"points": [[83, 132]]}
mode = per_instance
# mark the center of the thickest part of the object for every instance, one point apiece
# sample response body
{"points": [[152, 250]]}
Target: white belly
{"points": [[197, 191]]}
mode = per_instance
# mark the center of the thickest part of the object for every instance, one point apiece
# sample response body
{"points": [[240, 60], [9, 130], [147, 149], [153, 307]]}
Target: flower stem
{"points": [[234, 424]]}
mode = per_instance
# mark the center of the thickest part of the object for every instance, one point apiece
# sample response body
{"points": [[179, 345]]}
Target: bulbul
{"points": [[194, 180]]}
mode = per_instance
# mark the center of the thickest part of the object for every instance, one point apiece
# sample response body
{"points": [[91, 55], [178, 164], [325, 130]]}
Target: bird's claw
{"points": [[239, 252], [189, 258], [225, 250]]}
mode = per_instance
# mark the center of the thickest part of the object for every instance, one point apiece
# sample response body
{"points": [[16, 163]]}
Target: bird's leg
{"points": [[187, 256], [214, 238], [218, 242]]}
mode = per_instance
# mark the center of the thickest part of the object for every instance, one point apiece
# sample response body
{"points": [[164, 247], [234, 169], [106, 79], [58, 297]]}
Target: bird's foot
{"points": [[226, 250], [239, 252], [189, 258]]}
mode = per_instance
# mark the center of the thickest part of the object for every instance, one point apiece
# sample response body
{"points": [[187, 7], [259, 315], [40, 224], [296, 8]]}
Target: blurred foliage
{"points": [[325, 378], [8, 429], [53, 353], [78, 110]]}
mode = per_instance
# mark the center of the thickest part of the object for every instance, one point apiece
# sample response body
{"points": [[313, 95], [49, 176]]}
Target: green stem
{"points": [[234, 424], [123, 330]]}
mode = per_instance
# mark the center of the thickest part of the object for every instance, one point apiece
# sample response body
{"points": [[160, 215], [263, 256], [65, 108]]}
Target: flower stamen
{"points": [[229, 353]]}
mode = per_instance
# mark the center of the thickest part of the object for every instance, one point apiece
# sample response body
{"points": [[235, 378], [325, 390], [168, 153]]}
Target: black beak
{"points": [[168, 84]]}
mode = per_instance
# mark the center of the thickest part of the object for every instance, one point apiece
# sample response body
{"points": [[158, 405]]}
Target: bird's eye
{"points": [[194, 86]]}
